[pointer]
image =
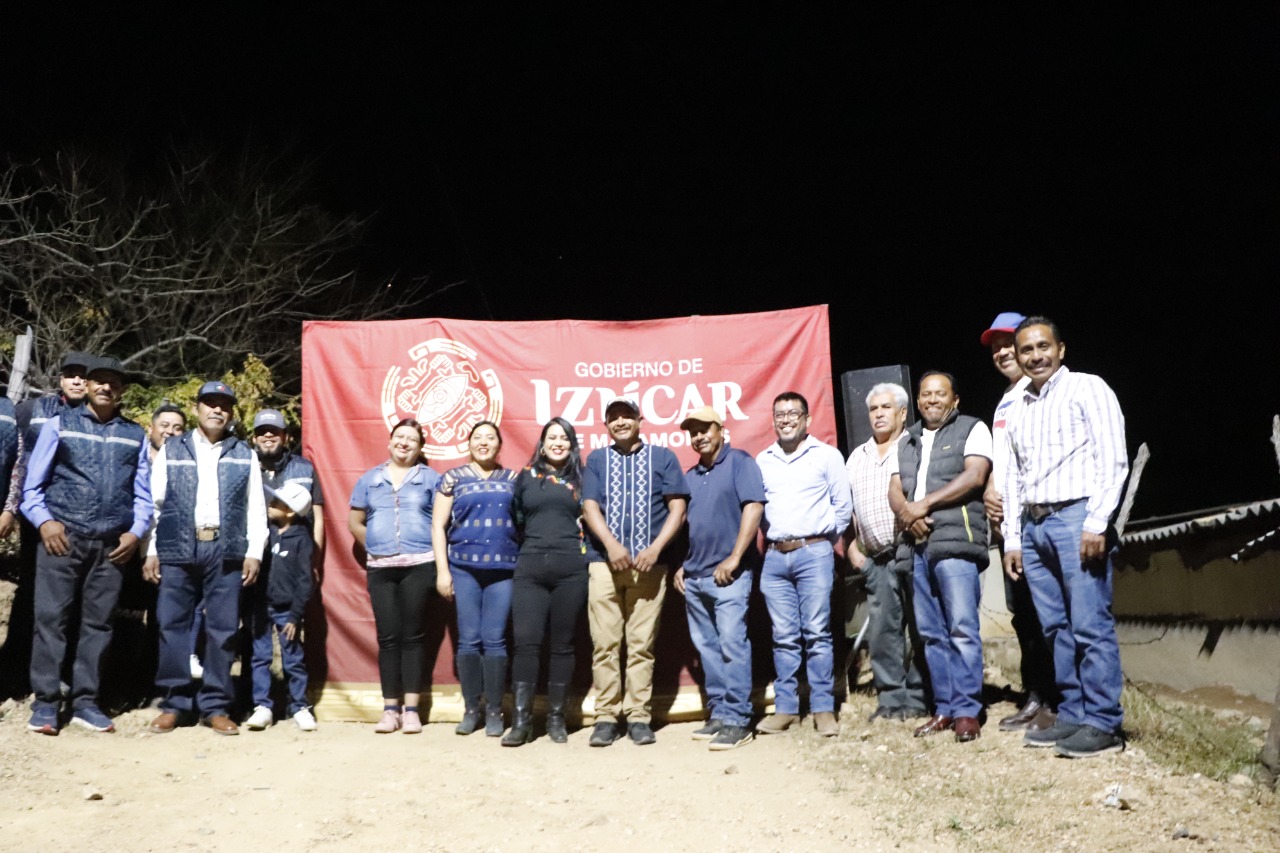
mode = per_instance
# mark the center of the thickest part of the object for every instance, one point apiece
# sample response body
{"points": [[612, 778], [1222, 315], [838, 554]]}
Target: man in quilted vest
{"points": [[211, 528], [87, 492]]}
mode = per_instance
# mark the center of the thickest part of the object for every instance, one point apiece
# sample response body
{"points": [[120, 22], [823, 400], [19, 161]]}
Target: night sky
{"points": [[917, 173]]}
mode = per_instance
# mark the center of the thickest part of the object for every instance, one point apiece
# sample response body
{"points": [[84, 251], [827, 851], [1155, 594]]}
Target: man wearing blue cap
{"points": [[88, 495], [211, 528], [1038, 711]]}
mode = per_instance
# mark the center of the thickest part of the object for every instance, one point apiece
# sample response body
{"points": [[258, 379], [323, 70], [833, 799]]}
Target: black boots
{"points": [[556, 695], [470, 681], [522, 727], [495, 688]]}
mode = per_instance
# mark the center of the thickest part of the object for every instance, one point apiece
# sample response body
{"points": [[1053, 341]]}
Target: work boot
{"points": [[522, 726], [556, 730], [495, 688], [470, 683]]}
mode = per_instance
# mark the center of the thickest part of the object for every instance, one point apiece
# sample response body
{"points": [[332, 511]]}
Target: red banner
{"points": [[358, 379]]}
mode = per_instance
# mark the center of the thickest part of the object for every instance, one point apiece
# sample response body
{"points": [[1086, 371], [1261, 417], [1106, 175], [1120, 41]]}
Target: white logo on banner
{"points": [[445, 392]]}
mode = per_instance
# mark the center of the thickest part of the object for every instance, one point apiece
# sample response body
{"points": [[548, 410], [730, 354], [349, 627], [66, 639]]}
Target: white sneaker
{"points": [[197, 671], [259, 719], [305, 720]]}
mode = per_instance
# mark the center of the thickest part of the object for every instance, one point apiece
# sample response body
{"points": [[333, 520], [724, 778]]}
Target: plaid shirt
{"points": [[869, 477]]}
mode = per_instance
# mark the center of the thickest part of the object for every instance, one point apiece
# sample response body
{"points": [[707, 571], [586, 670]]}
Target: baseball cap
{"points": [[108, 363], [294, 495], [269, 418], [210, 389], [76, 359], [622, 401], [706, 415], [1006, 322]]}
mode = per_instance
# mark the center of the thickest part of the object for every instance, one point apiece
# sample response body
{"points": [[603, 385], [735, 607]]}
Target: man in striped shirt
{"points": [[897, 677], [1067, 469]]}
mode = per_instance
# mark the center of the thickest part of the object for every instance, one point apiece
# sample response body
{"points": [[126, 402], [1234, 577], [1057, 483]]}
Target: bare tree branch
{"points": [[186, 271]]}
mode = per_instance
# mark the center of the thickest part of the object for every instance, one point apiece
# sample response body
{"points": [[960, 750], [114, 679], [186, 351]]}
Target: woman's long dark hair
{"points": [[572, 470]]}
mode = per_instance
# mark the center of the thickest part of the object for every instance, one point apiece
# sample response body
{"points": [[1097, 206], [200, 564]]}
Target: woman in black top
{"points": [[550, 587]]}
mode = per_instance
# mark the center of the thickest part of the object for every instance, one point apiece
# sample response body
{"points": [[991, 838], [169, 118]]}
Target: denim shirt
{"points": [[398, 521]]}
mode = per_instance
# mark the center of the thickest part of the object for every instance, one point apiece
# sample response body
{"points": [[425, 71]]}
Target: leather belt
{"points": [[1039, 512], [206, 534], [786, 546]]}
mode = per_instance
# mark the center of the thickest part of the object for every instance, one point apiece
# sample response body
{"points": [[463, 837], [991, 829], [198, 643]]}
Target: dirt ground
{"points": [[344, 788]]}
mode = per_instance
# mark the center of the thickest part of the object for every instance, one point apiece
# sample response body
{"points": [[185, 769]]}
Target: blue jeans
{"points": [[718, 627], [264, 619], [1074, 605], [797, 592], [483, 598], [946, 600], [182, 587]]}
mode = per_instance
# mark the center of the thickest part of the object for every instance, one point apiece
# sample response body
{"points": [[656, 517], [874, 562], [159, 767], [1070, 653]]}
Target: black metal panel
{"points": [[856, 384]]}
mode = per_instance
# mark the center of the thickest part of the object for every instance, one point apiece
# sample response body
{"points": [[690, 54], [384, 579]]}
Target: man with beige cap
{"points": [[726, 503]]}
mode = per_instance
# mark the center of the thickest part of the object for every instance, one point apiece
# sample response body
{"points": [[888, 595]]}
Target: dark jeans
{"points": [[1037, 659], [547, 600], [399, 599], [897, 655], [84, 572], [264, 619], [216, 582]]}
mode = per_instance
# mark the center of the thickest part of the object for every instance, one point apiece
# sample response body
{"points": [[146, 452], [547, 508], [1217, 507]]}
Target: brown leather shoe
{"points": [[222, 724], [1019, 720], [1044, 719], [163, 724], [776, 724], [967, 729], [826, 724], [936, 723]]}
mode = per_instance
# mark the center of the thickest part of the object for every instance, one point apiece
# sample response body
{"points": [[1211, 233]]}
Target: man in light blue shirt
{"points": [[88, 494], [808, 506]]}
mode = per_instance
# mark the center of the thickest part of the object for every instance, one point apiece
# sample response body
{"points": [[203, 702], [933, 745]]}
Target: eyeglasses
{"points": [[789, 417]]}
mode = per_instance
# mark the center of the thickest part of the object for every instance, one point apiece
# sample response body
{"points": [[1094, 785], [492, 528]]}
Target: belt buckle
{"points": [[206, 534]]}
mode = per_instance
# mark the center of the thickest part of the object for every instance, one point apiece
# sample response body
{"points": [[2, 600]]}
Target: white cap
{"points": [[294, 495]]}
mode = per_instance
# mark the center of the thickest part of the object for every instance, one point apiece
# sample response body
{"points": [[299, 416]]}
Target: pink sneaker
{"points": [[411, 724], [389, 723]]}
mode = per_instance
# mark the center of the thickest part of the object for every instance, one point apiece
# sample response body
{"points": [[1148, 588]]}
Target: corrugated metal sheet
{"points": [[1210, 523]]}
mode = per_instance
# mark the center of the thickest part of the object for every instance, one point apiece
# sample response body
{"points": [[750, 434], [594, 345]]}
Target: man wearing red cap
{"points": [[1038, 711]]}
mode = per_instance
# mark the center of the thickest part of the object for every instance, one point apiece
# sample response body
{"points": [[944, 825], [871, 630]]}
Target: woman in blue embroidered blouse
{"points": [[473, 516], [550, 586], [391, 517]]}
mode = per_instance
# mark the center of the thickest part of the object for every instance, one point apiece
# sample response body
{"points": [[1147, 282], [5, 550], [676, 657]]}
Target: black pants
{"points": [[547, 600], [399, 598]]}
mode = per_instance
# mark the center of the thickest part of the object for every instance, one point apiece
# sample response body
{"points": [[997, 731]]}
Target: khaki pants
{"points": [[624, 604]]}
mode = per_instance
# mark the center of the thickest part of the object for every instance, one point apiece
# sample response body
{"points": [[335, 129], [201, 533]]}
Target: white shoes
{"points": [[305, 720], [197, 671], [261, 718]]}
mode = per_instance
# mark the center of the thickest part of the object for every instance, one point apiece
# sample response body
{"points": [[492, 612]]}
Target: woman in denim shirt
{"points": [[391, 517]]}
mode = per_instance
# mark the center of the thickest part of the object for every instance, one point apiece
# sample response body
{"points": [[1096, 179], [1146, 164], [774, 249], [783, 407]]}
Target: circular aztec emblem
{"points": [[445, 391]]}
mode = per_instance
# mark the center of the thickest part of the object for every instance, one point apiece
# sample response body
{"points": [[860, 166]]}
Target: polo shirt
{"points": [[716, 497], [631, 489]]}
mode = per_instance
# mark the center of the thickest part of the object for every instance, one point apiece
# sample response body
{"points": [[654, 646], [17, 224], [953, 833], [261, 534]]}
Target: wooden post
{"points": [[1270, 755], [1131, 490]]}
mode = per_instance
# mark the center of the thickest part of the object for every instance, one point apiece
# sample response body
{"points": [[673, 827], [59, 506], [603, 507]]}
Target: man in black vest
{"points": [[211, 528], [943, 465], [88, 494]]}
